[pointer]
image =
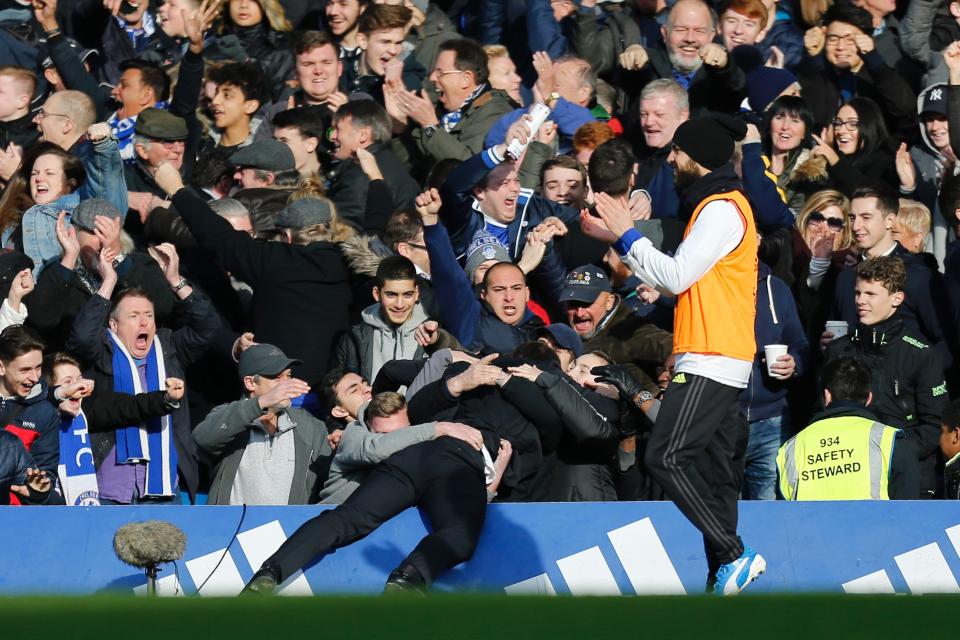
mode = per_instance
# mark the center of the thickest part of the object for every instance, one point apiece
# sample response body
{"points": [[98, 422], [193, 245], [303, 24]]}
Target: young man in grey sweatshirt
{"points": [[362, 445]]}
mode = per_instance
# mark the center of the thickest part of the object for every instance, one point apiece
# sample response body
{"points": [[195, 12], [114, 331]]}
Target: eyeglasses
{"points": [[835, 224], [834, 39], [422, 247], [444, 73], [170, 144], [41, 114], [849, 125]]}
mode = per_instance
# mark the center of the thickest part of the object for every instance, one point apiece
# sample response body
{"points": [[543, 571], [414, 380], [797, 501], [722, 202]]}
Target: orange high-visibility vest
{"points": [[716, 314]]}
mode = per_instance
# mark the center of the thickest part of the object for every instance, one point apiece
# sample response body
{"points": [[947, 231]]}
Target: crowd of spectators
{"points": [[248, 243]]}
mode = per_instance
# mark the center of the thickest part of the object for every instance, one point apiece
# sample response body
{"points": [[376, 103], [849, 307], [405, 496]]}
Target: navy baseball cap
{"points": [[564, 336], [585, 284]]}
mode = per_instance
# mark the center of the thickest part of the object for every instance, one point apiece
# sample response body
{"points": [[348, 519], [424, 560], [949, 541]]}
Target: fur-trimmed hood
{"points": [[809, 168], [364, 253]]}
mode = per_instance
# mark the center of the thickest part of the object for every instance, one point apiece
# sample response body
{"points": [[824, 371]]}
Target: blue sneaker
{"points": [[733, 577]]}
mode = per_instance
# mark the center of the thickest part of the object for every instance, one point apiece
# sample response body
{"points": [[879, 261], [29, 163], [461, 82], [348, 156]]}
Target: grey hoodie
{"points": [[360, 450], [929, 164], [373, 342]]}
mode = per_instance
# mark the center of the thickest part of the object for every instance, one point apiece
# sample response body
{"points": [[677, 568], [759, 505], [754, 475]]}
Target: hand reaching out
{"points": [[427, 333], [526, 371]]}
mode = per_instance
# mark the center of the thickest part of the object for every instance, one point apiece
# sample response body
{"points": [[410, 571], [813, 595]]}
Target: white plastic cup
{"points": [[774, 351], [838, 328]]}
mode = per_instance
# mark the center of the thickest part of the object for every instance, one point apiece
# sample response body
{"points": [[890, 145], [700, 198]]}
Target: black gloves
{"points": [[620, 377]]}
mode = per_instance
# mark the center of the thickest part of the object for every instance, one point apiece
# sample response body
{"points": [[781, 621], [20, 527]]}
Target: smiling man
{"points": [[664, 106], [388, 327], [26, 412], [908, 385], [468, 107], [702, 67], [318, 71], [382, 29], [343, 17], [873, 213]]}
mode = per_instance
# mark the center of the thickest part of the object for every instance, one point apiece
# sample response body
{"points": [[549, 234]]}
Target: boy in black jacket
{"points": [[908, 384]]}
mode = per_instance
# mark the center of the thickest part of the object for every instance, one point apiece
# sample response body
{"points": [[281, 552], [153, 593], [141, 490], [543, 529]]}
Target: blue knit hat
{"points": [[764, 84]]}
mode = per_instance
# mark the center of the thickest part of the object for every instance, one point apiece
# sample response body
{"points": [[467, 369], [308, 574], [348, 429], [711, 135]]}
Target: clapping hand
{"points": [[36, 480]]}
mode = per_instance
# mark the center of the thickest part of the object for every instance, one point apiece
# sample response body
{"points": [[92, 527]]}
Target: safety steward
{"points": [[845, 453]]}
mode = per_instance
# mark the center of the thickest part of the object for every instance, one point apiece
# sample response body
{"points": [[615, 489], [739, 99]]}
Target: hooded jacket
{"points": [[908, 385], [777, 322], [37, 424], [375, 341], [363, 254], [14, 462], [930, 164], [301, 293]]}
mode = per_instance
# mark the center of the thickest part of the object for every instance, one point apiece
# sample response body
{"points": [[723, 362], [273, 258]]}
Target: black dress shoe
{"points": [[405, 580], [262, 583]]}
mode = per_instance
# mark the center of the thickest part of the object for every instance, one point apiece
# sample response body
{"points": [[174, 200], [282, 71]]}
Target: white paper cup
{"points": [[774, 351], [838, 328]]}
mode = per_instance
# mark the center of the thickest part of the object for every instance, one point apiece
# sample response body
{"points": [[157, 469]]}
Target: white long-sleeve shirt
{"points": [[10, 316], [717, 231]]}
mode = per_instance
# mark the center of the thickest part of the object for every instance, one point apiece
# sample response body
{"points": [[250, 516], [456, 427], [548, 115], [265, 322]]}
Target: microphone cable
{"points": [[243, 514]]}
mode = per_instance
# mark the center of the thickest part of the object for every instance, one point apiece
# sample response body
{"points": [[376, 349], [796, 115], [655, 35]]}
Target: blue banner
{"points": [[580, 549]]}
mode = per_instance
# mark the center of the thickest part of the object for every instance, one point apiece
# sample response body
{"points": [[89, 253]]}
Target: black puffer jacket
{"points": [[272, 50], [581, 470]]}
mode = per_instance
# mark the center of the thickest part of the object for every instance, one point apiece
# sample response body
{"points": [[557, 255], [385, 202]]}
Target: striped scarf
{"points": [[150, 442], [78, 477], [123, 129], [449, 121]]}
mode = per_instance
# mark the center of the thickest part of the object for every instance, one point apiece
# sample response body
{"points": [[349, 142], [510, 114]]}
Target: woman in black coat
{"points": [[857, 148]]}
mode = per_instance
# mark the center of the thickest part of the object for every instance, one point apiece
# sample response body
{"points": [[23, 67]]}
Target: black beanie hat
{"points": [[710, 140]]}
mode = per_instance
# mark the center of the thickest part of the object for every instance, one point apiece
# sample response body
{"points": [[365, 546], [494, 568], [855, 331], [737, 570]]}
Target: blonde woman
{"points": [[913, 225], [822, 240]]}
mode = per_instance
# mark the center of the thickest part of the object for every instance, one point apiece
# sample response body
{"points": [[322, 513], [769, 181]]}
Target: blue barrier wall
{"points": [[595, 548]]}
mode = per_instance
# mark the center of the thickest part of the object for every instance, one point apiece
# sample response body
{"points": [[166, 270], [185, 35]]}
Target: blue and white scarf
{"points": [[78, 477], [152, 441], [139, 36], [122, 129], [449, 121]]}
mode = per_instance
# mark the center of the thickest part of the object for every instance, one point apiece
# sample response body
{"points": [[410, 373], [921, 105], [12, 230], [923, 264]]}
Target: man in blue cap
{"points": [[604, 323]]}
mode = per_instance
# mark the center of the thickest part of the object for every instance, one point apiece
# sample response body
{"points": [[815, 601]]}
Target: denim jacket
{"points": [[104, 167], [39, 225]]}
